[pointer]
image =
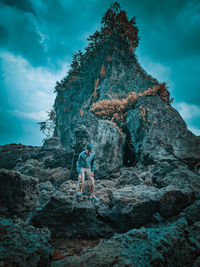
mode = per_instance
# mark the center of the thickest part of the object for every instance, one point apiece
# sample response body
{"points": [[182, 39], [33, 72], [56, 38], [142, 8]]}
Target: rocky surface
{"points": [[154, 197], [121, 207], [47, 163], [144, 247], [51, 154], [18, 193], [159, 133], [122, 75], [108, 144], [35, 169], [23, 245], [12, 154]]}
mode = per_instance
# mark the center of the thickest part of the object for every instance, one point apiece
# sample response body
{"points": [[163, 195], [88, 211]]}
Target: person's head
{"points": [[89, 148]]}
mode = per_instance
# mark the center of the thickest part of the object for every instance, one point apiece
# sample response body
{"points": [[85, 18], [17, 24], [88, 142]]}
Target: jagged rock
{"points": [[177, 174], [196, 263], [51, 143], [56, 158], [128, 175], [119, 209], [122, 76], [168, 245], [73, 217], [12, 154], [23, 245], [108, 146], [18, 193], [135, 206], [15, 155], [191, 213], [159, 133], [46, 189], [36, 169], [31, 167]]}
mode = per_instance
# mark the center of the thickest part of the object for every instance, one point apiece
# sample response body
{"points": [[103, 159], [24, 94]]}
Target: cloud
{"points": [[187, 111], [168, 31], [21, 36], [194, 130], [191, 115], [37, 116], [24, 5], [25, 97], [159, 71], [46, 32]]}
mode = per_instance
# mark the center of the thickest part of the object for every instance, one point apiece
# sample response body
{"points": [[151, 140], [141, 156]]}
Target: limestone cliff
{"points": [[108, 99]]}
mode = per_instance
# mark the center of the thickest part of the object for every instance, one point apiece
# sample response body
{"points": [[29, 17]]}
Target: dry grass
{"points": [[116, 109]]}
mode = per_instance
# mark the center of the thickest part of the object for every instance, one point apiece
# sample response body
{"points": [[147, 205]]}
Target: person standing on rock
{"points": [[85, 166]]}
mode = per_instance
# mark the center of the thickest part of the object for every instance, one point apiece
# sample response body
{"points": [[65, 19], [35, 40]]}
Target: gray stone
{"points": [[119, 209], [51, 143], [162, 134], [168, 245], [18, 193], [23, 245]]}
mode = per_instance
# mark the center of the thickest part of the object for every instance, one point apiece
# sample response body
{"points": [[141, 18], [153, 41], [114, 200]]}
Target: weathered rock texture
{"points": [[12, 154], [151, 132], [161, 134], [174, 244], [18, 193], [49, 162], [122, 75], [121, 208], [23, 245]]}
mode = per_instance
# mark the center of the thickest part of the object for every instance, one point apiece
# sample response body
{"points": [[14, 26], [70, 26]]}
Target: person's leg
{"points": [[81, 187], [91, 180], [92, 190], [82, 179], [93, 197]]}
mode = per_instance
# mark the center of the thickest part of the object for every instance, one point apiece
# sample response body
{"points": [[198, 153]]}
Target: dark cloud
{"points": [[168, 29], [19, 35], [23, 5]]}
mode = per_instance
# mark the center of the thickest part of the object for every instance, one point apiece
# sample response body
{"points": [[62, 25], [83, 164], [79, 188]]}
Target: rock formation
{"points": [[146, 167]]}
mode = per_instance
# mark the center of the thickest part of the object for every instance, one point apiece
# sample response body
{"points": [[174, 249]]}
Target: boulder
{"points": [[35, 168], [18, 192], [175, 173], [159, 133], [12, 154], [108, 143], [24, 245], [168, 245], [119, 209], [51, 144]]}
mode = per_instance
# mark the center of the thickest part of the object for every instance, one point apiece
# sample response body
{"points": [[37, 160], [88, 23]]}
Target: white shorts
{"points": [[87, 172]]}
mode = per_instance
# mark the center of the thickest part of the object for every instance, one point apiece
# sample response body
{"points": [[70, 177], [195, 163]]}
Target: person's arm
{"points": [[93, 164], [78, 164]]}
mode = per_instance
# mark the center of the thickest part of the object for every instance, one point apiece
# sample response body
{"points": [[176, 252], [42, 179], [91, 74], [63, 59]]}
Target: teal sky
{"points": [[38, 38]]}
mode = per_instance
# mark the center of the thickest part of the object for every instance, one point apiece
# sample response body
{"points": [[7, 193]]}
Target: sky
{"points": [[39, 37]]}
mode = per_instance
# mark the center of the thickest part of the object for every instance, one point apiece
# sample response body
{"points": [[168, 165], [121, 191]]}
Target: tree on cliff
{"points": [[114, 23], [48, 127]]}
